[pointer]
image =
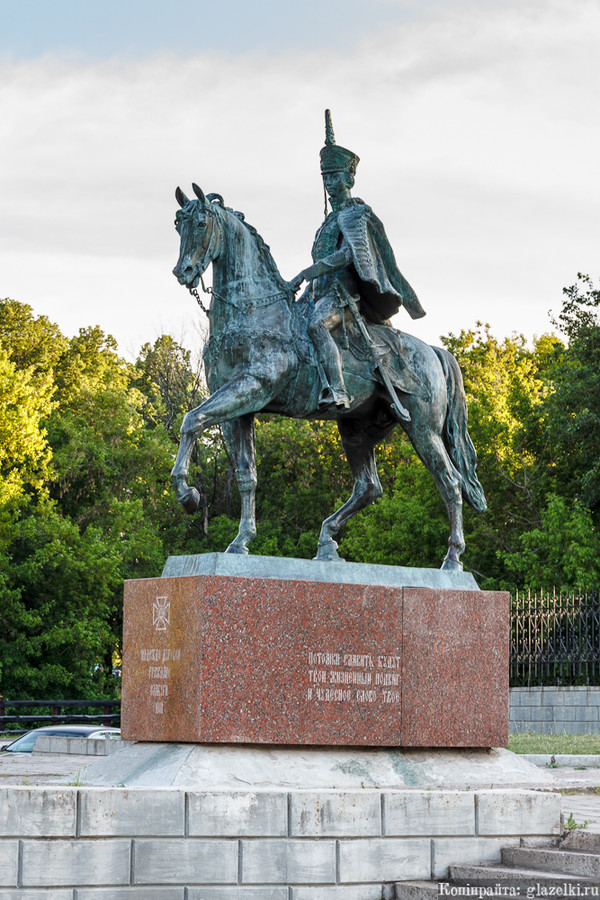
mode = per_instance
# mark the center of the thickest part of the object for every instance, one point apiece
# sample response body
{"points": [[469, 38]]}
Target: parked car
{"points": [[24, 743]]}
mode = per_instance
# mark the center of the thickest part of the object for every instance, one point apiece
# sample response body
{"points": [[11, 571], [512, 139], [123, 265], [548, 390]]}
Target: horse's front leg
{"points": [[240, 397], [239, 435], [187, 496]]}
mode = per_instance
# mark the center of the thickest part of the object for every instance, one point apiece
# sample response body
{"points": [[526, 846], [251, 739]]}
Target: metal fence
{"points": [[18, 716], [555, 639]]}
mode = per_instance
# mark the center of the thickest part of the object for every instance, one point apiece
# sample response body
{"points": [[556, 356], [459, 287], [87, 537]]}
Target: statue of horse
{"points": [[259, 358]]}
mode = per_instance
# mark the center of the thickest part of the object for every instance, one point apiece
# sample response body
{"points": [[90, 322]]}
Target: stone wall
{"points": [[69, 843], [555, 710], [76, 746]]}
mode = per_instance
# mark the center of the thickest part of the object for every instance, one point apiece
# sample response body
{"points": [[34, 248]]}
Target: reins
{"points": [[197, 297]]}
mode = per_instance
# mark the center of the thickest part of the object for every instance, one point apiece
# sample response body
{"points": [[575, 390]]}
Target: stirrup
{"points": [[339, 398]]}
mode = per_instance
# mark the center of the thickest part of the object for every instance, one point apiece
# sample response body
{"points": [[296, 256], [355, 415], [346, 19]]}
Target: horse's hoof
{"points": [[191, 501], [237, 548], [327, 552], [452, 565]]}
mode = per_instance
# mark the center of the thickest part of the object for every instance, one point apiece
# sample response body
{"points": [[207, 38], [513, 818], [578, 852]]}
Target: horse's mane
{"points": [[263, 248]]}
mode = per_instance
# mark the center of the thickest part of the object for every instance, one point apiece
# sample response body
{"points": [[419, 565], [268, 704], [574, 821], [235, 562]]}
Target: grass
{"points": [[572, 825], [77, 782], [554, 743]]}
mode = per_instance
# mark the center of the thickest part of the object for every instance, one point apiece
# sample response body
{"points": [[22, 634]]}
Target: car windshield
{"points": [[23, 744]]}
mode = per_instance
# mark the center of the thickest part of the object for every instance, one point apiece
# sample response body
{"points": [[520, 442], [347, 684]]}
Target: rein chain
{"points": [[197, 297], [243, 305]]}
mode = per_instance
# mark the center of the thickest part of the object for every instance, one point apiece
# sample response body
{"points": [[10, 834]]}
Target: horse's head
{"points": [[196, 224]]}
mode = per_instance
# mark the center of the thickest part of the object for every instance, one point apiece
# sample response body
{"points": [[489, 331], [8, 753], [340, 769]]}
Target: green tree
{"points": [[171, 385], [56, 590], [303, 476], [573, 409], [105, 511], [25, 401], [506, 383], [564, 551], [33, 341]]}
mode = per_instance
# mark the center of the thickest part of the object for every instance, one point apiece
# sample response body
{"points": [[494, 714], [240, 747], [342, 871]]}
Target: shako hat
{"points": [[333, 157]]}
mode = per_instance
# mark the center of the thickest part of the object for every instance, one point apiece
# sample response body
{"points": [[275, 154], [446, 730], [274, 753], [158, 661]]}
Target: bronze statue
{"points": [[260, 356], [352, 261]]}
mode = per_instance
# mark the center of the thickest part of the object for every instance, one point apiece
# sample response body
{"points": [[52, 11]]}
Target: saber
{"points": [[397, 407]]}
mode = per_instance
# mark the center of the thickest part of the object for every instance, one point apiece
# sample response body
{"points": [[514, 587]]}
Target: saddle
{"points": [[387, 353], [386, 350]]}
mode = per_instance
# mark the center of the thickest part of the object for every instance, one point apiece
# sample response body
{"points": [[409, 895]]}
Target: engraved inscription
{"points": [[159, 672], [362, 678], [160, 654], [159, 690], [159, 675]]}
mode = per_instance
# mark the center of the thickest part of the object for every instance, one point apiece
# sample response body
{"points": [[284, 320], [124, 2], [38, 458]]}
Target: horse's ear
{"points": [[181, 198], [198, 192]]}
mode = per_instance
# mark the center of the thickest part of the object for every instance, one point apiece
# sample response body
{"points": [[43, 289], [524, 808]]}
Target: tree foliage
{"points": [[573, 409], [25, 402]]}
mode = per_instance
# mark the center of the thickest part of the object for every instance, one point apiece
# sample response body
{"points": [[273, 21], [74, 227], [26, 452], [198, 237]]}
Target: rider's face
{"points": [[337, 184]]}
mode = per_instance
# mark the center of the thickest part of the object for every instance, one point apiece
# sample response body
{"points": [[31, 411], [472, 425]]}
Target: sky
{"points": [[475, 121]]}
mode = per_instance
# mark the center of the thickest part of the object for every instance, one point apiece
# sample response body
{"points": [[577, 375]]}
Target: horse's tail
{"points": [[456, 436]]}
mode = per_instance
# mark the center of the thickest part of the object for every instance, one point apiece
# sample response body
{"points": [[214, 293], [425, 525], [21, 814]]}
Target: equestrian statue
{"points": [[331, 354]]}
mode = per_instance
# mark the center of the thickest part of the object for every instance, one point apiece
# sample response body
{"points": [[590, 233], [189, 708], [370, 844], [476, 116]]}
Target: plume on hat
{"points": [[333, 157]]}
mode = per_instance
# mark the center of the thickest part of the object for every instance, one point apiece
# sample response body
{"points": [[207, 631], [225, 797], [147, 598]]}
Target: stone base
{"points": [[339, 572], [229, 766], [289, 660]]}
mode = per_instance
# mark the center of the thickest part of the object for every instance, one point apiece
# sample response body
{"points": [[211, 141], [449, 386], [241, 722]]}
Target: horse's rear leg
{"points": [[359, 448], [432, 452], [239, 435]]}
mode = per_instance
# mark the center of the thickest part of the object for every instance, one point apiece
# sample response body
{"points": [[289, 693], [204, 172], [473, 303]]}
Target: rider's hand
{"points": [[296, 282]]}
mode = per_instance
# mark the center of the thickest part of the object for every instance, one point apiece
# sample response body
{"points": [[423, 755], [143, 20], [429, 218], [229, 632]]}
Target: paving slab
{"points": [[564, 760], [30, 769], [584, 810], [580, 778]]}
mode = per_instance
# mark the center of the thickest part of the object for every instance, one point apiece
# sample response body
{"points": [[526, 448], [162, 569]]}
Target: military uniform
{"points": [[352, 258], [371, 269]]}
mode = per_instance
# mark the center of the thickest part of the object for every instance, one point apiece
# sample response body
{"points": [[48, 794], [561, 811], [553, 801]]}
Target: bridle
{"points": [[207, 251]]}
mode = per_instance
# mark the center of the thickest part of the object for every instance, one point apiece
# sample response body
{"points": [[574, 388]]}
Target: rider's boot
{"points": [[336, 393]]}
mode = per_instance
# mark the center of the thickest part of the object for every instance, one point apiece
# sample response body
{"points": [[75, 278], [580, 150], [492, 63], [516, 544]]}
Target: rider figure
{"points": [[352, 258]]}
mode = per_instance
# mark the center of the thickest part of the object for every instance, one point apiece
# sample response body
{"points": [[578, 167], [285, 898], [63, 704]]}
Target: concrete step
{"points": [[571, 862], [417, 890], [588, 841], [488, 876]]}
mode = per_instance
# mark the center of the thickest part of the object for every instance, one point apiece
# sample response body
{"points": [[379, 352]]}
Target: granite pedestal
{"points": [[226, 649]]}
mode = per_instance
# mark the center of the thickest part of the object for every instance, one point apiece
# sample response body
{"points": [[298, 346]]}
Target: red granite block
{"points": [[228, 659], [455, 668]]}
